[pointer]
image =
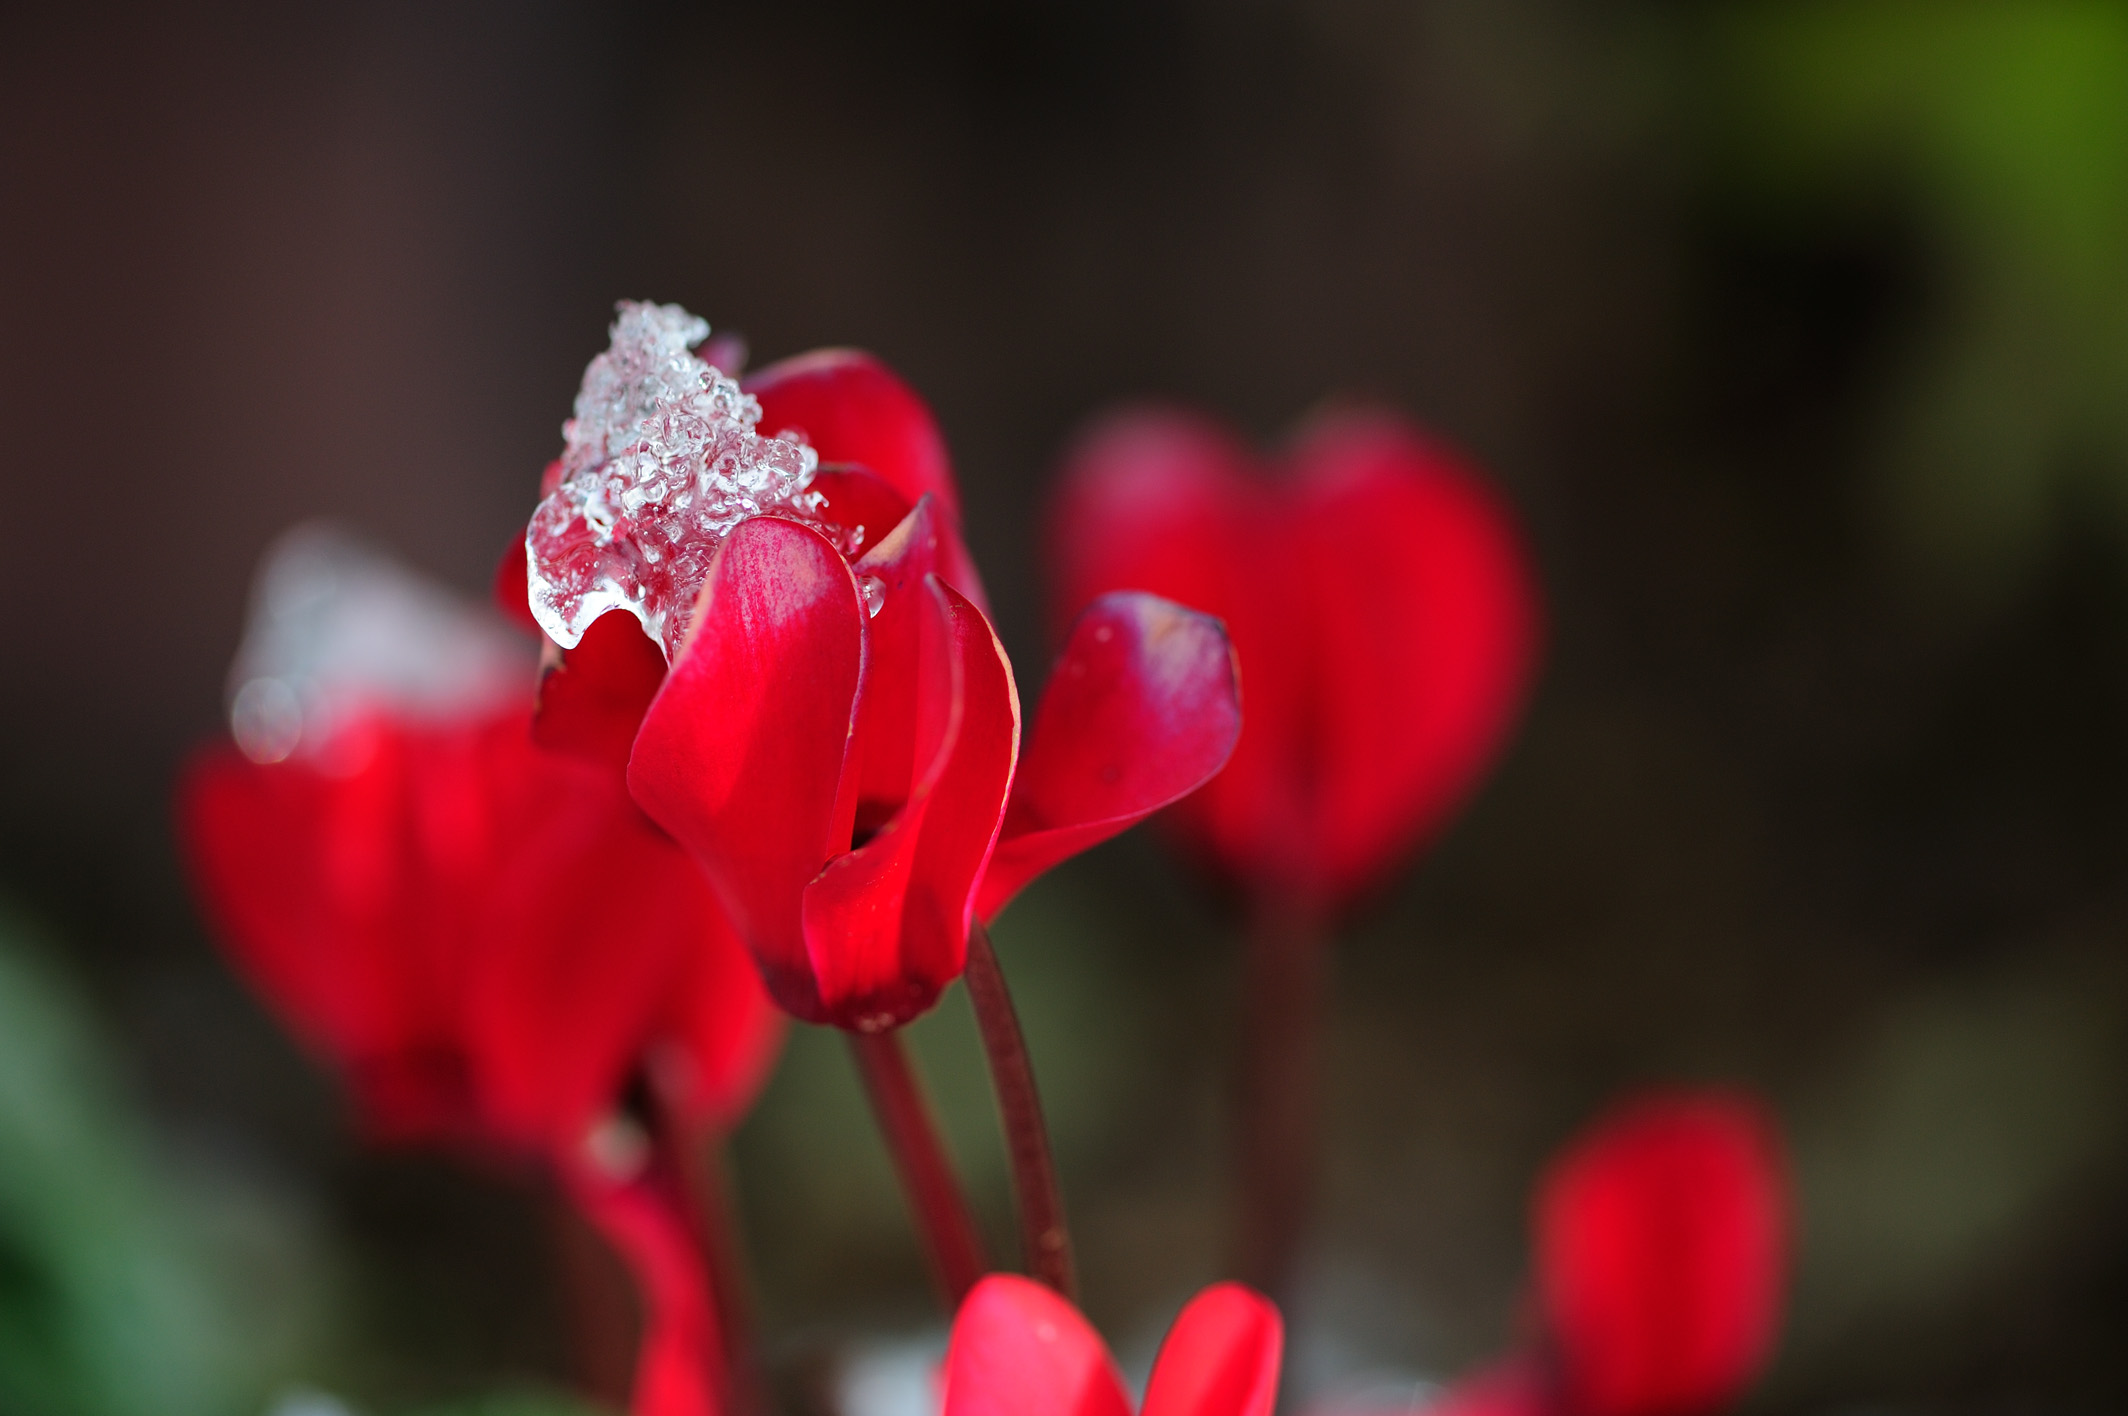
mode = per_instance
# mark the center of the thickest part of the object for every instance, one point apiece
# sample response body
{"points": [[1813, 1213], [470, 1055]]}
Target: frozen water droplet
{"points": [[266, 718], [660, 462], [875, 593], [892, 1377], [618, 1147], [339, 632]]}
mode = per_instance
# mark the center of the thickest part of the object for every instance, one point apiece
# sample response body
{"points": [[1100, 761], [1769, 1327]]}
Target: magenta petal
{"points": [[1424, 626], [887, 924], [1020, 1350], [592, 697], [1144, 706], [741, 755], [1221, 1357], [887, 758], [853, 408], [856, 500]]}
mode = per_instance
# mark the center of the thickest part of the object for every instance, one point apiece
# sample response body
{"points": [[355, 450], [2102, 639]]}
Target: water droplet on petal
{"points": [[266, 718], [618, 1147], [875, 593]]}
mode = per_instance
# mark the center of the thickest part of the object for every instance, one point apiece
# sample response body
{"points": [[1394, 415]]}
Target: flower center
{"points": [[660, 462]]}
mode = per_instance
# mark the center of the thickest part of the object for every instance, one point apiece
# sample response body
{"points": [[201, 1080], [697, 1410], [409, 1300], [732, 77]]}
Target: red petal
{"points": [[1141, 709], [1220, 1358], [887, 924], [680, 1366], [853, 408], [1020, 1350], [885, 749], [725, 1030], [512, 589], [855, 499], [592, 698], [1661, 1241], [741, 756], [1425, 622], [347, 900], [1166, 502], [604, 947]]}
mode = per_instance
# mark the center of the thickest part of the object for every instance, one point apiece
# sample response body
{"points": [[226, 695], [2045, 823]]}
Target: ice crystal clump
{"points": [[660, 462], [338, 631]]}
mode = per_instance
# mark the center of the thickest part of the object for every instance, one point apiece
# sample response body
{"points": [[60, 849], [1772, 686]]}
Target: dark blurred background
{"points": [[1798, 332]]}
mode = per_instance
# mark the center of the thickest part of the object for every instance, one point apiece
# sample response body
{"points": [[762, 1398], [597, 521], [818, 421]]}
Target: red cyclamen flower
{"points": [[1662, 1248], [1020, 1350], [491, 940], [1382, 609], [487, 938], [838, 738], [1661, 1239]]}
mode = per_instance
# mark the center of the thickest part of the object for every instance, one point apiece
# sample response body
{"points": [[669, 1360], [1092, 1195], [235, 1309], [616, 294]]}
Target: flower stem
{"points": [[1044, 1236], [1284, 993], [927, 1179]]}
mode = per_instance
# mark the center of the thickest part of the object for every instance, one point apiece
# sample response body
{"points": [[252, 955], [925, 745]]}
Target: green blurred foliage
{"points": [[1981, 1125], [127, 1288], [2000, 131]]}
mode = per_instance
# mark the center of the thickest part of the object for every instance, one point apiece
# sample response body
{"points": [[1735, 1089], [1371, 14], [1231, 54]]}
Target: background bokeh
{"points": [[1798, 333]]}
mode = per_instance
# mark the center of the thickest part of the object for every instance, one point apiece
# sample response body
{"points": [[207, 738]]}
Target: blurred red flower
{"points": [[1381, 605], [1020, 1350], [496, 945], [838, 738], [490, 940], [487, 938], [1661, 1239], [1662, 1248]]}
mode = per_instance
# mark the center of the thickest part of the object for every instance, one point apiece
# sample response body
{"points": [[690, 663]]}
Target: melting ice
{"points": [[660, 462]]}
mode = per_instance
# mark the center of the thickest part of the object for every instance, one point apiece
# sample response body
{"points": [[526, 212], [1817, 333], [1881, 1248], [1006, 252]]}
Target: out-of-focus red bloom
{"points": [[496, 944], [1662, 1249], [1020, 1350], [1661, 1238], [838, 737], [1381, 605], [488, 938]]}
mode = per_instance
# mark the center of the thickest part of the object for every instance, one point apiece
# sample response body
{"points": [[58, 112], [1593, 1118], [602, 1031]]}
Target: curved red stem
{"points": [[1284, 994], [1045, 1238], [936, 1200]]}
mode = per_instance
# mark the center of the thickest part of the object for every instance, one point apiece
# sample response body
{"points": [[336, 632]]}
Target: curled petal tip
{"points": [[1018, 1349], [1142, 708]]}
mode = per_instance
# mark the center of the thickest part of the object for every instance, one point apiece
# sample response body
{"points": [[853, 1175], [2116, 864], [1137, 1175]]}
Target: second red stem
{"points": [[1284, 997], [1044, 1237]]}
